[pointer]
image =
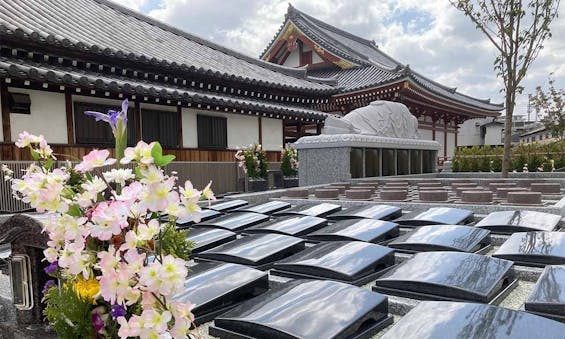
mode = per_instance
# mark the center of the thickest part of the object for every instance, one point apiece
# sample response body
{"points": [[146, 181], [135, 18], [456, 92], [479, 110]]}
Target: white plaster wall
{"points": [[243, 130], [451, 144], [48, 116], [493, 134], [470, 133], [293, 59], [102, 101], [425, 134], [271, 134], [439, 138]]}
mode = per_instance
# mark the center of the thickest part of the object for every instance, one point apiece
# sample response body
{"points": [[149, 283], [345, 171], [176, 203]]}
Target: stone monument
{"points": [[379, 139]]}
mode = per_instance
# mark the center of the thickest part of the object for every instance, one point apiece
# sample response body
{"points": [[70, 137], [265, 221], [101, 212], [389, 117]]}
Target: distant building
{"points": [[540, 135], [481, 132]]}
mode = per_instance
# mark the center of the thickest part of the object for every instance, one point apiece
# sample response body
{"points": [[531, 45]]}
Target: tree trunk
{"points": [[507, 135]]}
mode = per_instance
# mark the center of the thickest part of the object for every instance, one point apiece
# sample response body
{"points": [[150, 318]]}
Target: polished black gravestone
{"points": [[307, 309], [438, 216], [258, 250], [235, 222], [206, 238], [443, 319], [268, 207], [443, 238], [367, 230], [205, 214], [314, 210], [378, 212], [508, 222], [455, 276], [352, 262], [213, 288], [295, 226], [228, 205], [534, 248], [548, 297]]}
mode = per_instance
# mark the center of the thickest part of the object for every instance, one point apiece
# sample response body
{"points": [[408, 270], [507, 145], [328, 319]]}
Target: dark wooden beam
{"points": [[433, 128], [5, 98], [260, 126], [444, 138], [137, 119], [70, 117], [179, 121]]}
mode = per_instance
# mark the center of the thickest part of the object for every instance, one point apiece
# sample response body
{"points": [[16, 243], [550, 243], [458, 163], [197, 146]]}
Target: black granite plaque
{"points": [[205, 238], [269, 207], [296, 226], [438, 215], [353, 262], [507, 222], [314, 210], [379, 212], [235, 221], [213, 288], [442, 319], [309, 309], [258, 250], [454, 276], [443, 238], [228, 205], [368, 230], [548, 296], [534, 248]]}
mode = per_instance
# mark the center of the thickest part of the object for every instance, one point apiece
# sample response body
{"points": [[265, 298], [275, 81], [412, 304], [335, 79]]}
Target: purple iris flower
{"points": [[113, 117], [53, 267], [48, 285], [117, 311]]}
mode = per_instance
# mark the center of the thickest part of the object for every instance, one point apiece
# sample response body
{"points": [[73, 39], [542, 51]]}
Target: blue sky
{"points": [[434, 38]]}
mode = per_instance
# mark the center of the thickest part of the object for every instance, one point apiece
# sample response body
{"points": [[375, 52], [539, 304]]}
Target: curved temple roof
{"points": [[371, 66]]}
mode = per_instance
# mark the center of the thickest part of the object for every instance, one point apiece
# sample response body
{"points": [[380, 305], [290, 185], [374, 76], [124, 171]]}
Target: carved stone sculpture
{"points": [[380, 118]]}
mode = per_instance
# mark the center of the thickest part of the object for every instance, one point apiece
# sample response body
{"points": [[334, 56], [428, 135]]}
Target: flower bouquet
{"points": [[289, 161], [253, 160], [114, 252]]}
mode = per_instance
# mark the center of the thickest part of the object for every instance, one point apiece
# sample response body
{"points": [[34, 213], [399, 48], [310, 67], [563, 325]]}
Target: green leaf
{"points": [[75, 211], [34, 155], [166, 159], [159, 159]]}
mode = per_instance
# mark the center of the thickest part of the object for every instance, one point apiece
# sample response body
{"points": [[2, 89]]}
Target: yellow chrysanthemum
{"points": [[87, 289]]}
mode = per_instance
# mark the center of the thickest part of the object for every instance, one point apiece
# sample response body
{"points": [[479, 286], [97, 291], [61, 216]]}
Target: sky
{"points": [[432, 37]]}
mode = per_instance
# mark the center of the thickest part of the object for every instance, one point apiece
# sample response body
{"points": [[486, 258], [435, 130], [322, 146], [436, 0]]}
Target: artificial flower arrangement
{"points": [[253, 160], [113, 247], [289, 161]]}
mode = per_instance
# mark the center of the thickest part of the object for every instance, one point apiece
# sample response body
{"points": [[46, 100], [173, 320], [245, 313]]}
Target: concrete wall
{"points": [[272, 134], [47, 116]]}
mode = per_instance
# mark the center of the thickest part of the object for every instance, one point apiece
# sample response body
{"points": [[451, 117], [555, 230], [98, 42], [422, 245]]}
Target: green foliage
{"points": [[289, 161], [69, 314], [254, 161], [550, 105], [174, 242], [159, 159]]}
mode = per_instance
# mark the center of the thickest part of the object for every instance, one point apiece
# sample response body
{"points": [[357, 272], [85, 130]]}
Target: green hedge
{"points": [[538, 157]]}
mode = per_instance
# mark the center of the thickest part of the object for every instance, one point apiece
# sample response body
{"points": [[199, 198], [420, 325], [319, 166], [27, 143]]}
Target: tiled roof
{"points": [[71, 76], [110, 30], [374, 66]]}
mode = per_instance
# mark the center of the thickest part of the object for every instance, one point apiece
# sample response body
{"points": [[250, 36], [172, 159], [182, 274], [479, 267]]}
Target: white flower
{"points": [[119, 176]]}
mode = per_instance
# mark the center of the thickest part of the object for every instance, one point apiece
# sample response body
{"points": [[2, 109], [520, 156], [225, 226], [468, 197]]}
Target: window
{"points": [[212, 132], [20, 103], [90, 131], [20, 275], [162, 126]]}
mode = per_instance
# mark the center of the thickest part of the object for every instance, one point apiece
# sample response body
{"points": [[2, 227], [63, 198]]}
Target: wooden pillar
{"points": [[137, 120], [318, 128], [299, 130], [444, 138], [70, 117], [5, 97], [179, 121], [260, 126], [456, 133], [433, 128]]}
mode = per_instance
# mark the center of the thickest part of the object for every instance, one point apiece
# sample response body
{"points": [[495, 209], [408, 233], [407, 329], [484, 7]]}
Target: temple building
{"points": [[364, 73], [200, 100]]}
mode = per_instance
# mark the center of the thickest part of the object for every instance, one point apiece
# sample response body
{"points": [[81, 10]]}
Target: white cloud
{"points": [[434, 38]]}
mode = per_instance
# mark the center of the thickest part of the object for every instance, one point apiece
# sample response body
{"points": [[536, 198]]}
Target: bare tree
{"points": [[517, 29], [550, 105]]}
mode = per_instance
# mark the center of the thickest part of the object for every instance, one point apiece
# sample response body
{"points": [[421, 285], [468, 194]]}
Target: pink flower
{"points": [[25, 139], [94, 159], [108, 218]]}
